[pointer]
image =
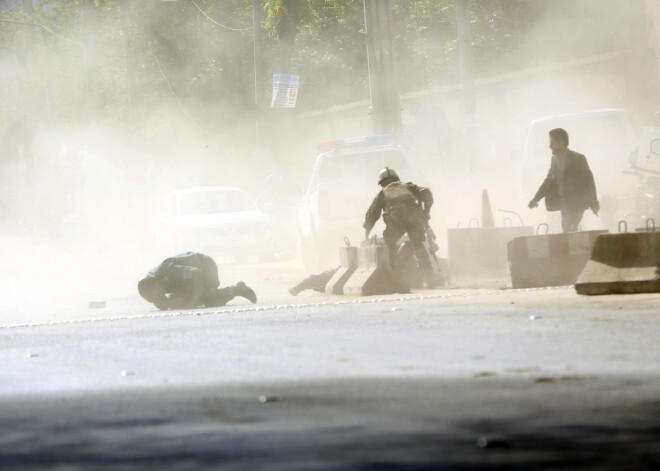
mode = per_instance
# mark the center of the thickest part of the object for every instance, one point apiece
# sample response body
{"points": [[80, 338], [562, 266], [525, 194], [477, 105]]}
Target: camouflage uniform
{"points": [[405, 208]]}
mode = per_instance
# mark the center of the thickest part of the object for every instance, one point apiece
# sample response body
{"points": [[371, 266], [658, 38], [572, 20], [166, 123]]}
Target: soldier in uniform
{"points": [[187, 281], [406, 210]]}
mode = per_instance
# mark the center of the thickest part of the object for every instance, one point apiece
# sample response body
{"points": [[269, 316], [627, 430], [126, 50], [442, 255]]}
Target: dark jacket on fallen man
{"points": [[187, 281]]}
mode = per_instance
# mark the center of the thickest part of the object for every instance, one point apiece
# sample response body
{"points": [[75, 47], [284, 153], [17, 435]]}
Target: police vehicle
{"points": [[341, 187]]}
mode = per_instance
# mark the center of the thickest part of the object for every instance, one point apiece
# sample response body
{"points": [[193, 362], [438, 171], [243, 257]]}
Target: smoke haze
{"points": [[96, 132]]}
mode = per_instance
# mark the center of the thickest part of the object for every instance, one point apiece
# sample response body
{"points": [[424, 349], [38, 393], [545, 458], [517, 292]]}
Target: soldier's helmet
{"points": [[387, 173]]}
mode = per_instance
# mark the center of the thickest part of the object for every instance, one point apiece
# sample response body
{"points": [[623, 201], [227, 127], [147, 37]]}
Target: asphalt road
{"points": [[484, 378]]}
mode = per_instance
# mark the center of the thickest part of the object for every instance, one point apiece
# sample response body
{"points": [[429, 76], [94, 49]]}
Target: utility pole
{"points": [[130, 73], [258, 88], [90, 38], [467, 81], [383, 86], [256, 30]]}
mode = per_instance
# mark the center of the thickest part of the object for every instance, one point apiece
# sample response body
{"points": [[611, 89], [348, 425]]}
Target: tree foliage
{"points": [[196, 57]]}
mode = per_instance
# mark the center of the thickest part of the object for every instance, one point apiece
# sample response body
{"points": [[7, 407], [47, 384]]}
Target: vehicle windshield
{"points": [[209, 202], [360, 165]]}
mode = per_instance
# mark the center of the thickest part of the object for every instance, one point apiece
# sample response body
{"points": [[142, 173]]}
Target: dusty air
{"points": [[329, 234]]}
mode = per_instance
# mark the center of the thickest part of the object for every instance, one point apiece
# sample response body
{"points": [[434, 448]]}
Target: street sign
{"points": [[285, 90]]}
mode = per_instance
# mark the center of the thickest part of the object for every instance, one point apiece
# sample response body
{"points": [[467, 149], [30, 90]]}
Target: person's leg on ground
{"points": [[221, 296], [316, 282]]}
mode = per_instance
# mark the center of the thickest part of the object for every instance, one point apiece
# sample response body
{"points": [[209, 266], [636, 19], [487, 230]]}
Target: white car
{"points": [[215, 220], [341, 187]]}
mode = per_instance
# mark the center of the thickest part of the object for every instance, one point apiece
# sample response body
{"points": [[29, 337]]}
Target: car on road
{"points": [[341, 187], [216, 220]]}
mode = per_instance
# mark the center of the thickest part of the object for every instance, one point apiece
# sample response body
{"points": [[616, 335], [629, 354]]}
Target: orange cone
{"points": [[486, 212]]}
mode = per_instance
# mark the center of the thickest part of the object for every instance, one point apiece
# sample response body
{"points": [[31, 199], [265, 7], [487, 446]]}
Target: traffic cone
{"points": [[486, 212]]}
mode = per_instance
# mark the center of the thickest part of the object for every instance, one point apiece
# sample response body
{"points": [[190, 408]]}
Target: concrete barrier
{"points": [[481, 252], [622, 264], [374, 274], [549, 260], [348, 257]]}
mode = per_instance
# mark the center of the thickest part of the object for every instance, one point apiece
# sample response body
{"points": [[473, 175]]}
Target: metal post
{"points": [[384, 90], [91, 55], [467, 81], [465, 52], [130, 73], [256, 28], [258, 83]]}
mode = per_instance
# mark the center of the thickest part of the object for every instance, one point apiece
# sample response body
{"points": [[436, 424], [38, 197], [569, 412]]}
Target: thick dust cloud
{"points": [[104, 116]]}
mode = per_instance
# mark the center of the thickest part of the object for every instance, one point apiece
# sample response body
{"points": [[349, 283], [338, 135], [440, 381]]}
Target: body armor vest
{"points": [[398, 194]]}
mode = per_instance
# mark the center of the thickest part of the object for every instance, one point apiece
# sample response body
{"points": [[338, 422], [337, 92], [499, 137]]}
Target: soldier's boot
{"points": [[430, 278], [244, 291], [401, 286]]}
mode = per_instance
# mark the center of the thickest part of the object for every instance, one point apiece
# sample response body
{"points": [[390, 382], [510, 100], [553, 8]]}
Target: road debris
{"points": [[270, 398]]}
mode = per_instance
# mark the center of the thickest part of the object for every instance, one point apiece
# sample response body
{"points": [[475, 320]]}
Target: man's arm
{"points": [[373, 213], [543, 189], [424, 196], [590, 184]]}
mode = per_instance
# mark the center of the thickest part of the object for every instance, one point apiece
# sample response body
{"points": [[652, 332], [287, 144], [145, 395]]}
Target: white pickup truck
{"points": [[341, 187]]}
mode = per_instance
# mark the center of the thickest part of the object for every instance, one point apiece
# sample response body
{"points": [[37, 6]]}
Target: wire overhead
{"points": [[178, 100], [215, 22], [45, 28]]}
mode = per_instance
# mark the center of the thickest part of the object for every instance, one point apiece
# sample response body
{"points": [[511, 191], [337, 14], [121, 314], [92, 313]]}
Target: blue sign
{"points": [[285, 90]]}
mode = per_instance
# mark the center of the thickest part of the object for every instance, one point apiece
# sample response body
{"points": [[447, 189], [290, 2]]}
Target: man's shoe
{"points": [[244, 291], [295, 291]]}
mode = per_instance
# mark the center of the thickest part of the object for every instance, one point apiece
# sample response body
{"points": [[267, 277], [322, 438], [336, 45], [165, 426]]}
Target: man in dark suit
{"points": [[569, 186]]}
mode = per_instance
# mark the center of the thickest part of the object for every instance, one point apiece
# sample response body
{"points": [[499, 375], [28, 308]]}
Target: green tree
{"points": [[196, 57]]}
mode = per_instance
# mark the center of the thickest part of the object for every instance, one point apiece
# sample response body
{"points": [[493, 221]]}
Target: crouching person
{"points": [[406, 209], [187, 281]]}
